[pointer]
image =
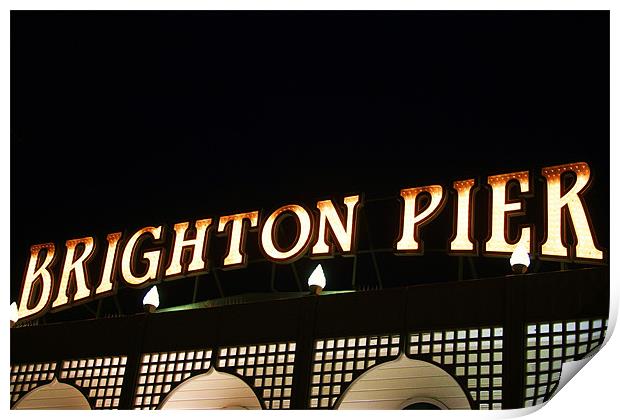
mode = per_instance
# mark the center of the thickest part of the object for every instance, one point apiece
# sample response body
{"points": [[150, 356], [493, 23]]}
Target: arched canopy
{"points": [[53, 396], [401, 383], [212, 390]]}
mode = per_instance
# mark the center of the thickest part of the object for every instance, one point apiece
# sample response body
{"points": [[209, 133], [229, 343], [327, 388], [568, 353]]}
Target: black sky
{"points": [[123, 120]]}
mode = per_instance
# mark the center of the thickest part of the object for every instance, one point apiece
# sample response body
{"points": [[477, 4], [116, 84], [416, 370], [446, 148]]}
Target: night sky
{"points": [[126, 120]]}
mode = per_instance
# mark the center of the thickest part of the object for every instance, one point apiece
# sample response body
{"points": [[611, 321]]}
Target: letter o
{"points": [[267, 235]]}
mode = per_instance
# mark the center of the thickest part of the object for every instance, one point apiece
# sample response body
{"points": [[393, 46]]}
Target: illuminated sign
{"points": [[146, 256]]}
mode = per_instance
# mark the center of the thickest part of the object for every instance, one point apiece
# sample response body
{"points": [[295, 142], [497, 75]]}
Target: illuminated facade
{"points": [[482, 343]]}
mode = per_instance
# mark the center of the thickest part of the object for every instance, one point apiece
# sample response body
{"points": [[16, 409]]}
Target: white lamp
{"points": [[317, 281], [519, 260], [13, 314], [151, 300]]}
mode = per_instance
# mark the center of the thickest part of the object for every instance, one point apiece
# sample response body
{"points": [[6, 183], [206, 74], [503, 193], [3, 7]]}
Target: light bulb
{"points": [[519, 260], [13, 313], [151, 300], [317, 281]]}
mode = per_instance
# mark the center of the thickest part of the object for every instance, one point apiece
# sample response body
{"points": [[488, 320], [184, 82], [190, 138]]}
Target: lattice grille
{"points": [[268, 367], [101, 377], [549, 345], [161, 372], [337, 361], [474, 354], [26, 377]]}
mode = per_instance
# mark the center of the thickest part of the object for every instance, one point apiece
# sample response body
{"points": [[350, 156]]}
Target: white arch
{"points": [[53, 396], [396, 384], [211, 390]]}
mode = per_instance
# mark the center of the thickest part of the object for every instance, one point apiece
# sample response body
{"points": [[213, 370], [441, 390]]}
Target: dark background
{"points": [[133, 119]]}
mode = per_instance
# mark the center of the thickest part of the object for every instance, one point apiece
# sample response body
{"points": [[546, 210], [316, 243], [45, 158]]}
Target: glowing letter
{"points": [[77, 267], [329, 215], [151, 256], [32, 274], [197, 245], [572, 201], [106, 284], [303, 235], [463, 219], [411, 221], [502, 210], [236, 236]]}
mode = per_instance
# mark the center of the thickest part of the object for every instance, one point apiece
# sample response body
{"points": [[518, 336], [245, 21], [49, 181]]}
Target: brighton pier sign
{"points": [[332, 225]]}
